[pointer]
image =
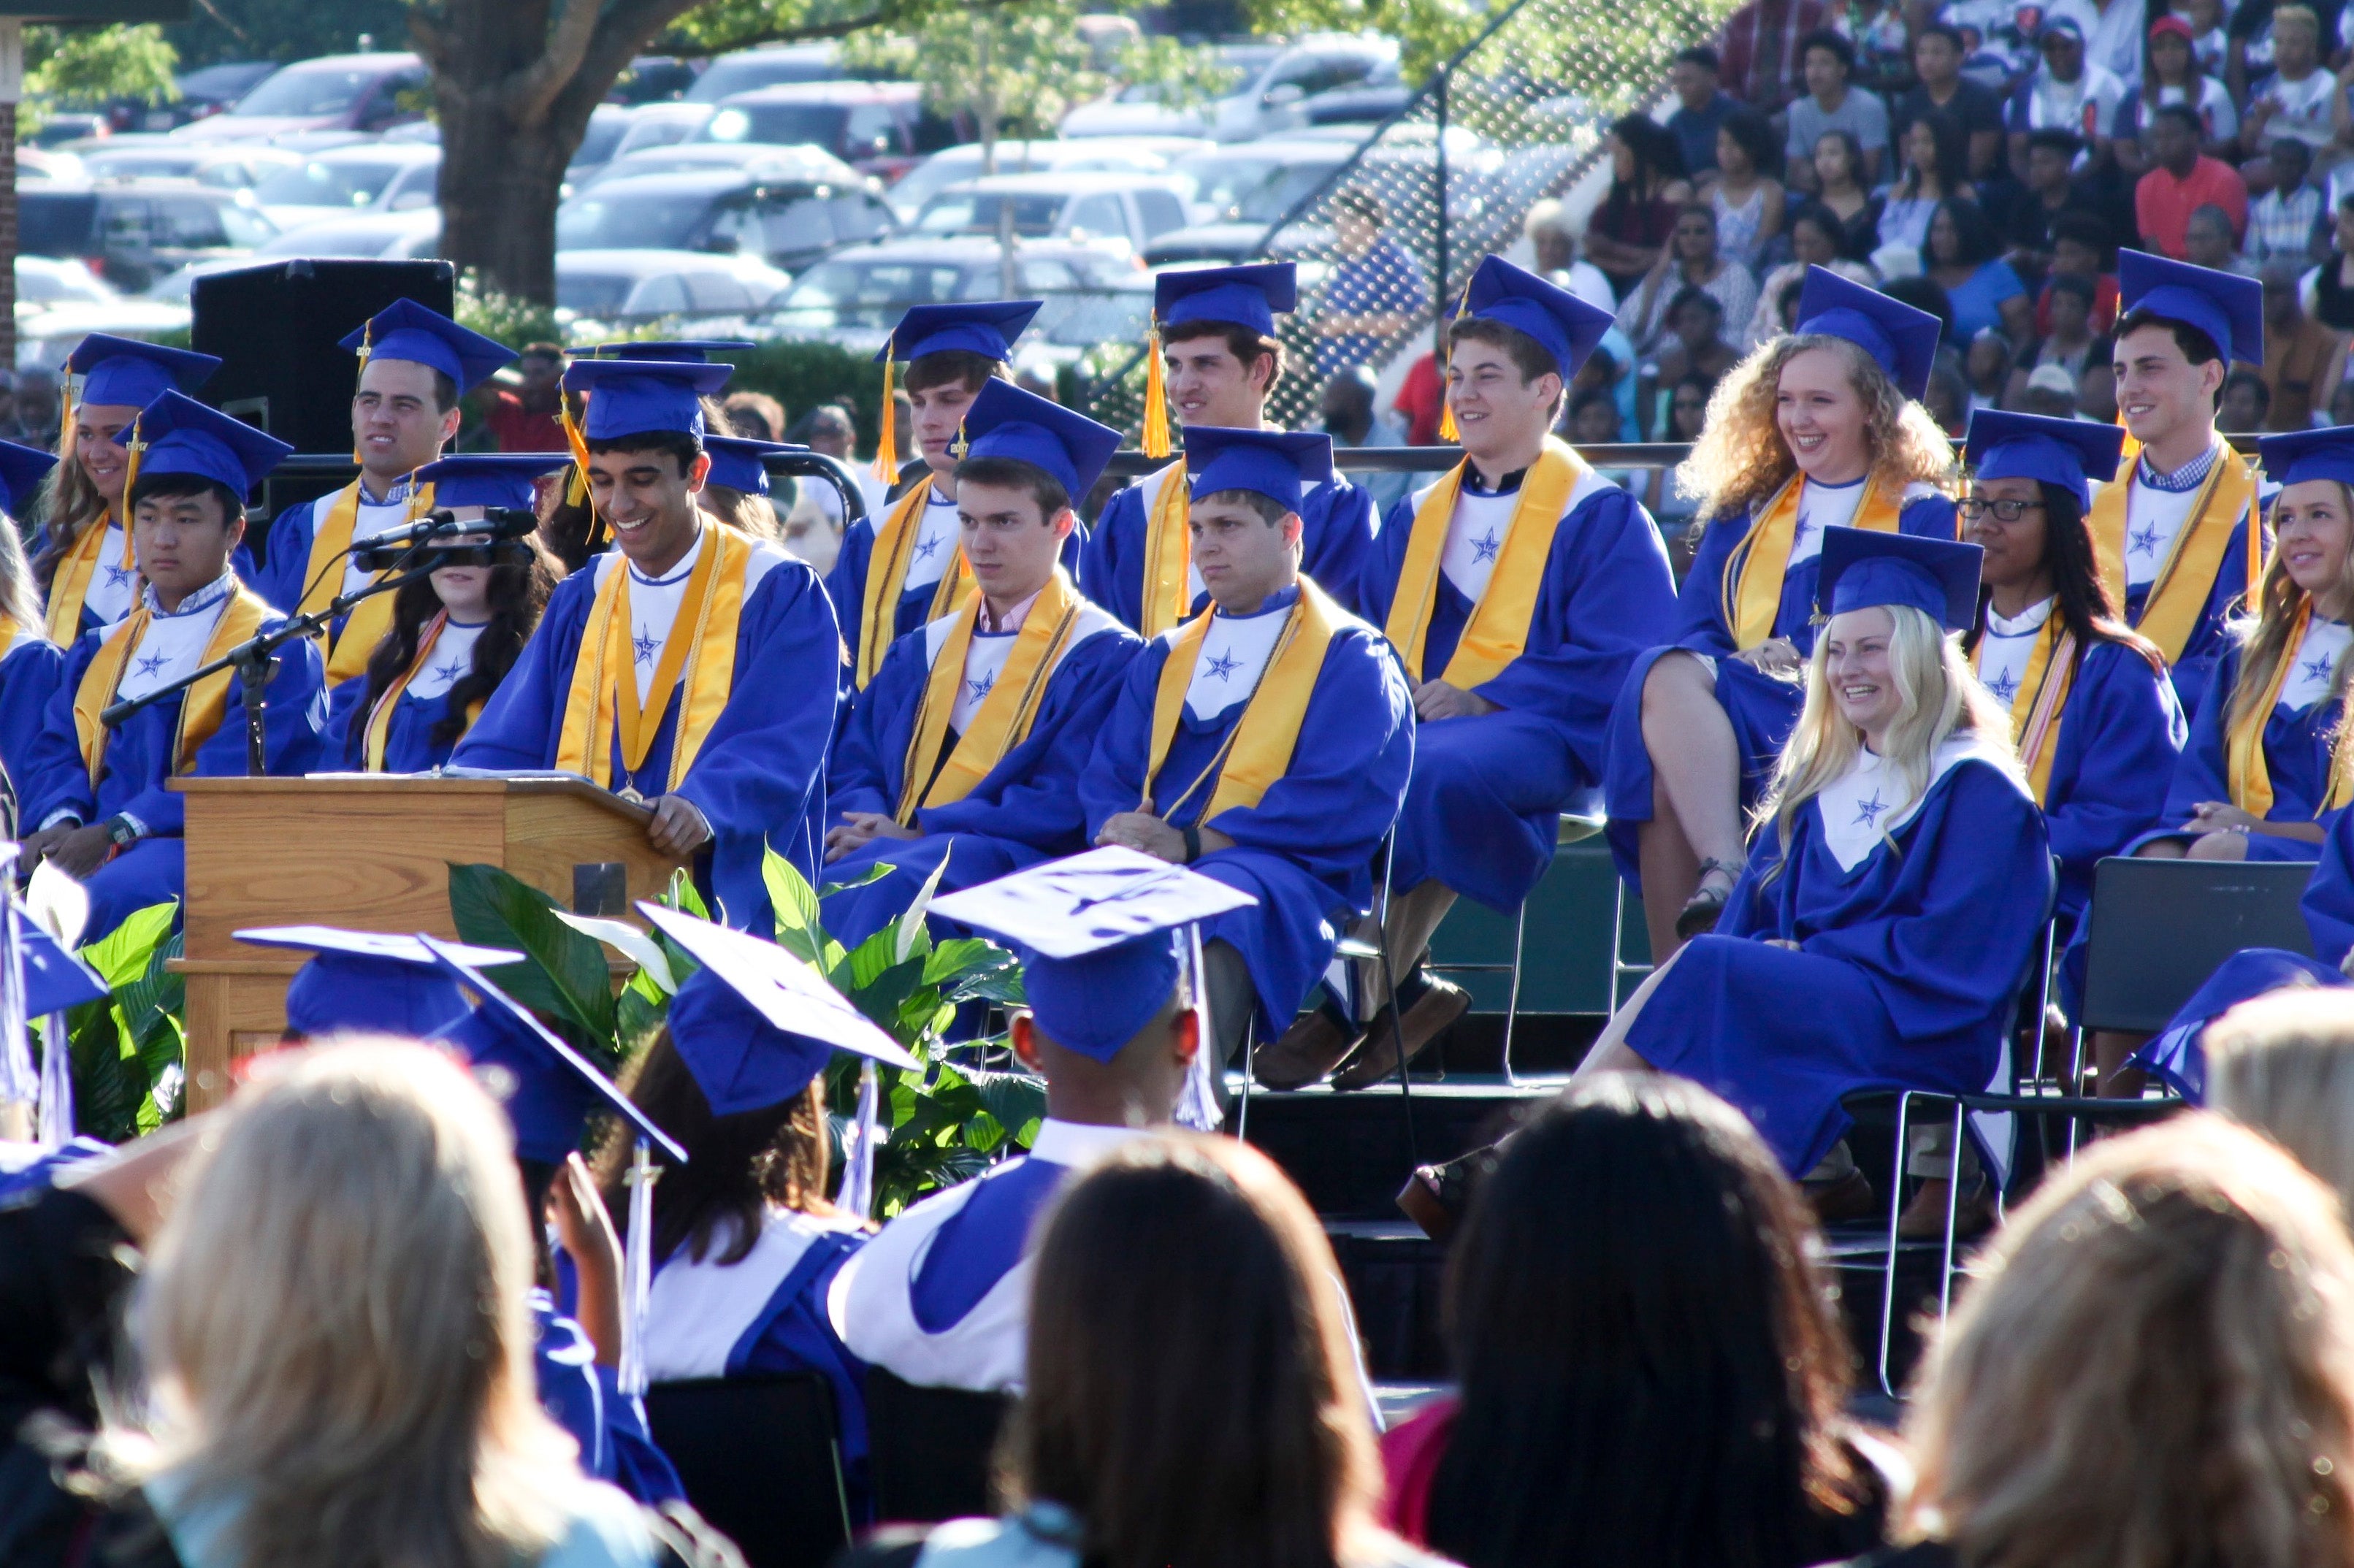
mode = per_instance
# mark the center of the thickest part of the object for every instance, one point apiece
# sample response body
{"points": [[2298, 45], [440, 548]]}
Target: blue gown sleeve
{"points": [[520, 724], [2329, 897], [2204, 653], [1929, 517], [2201, 775], [864, 774], [845, 585], [29, 677], [1111, 565], [56, 779], [766, 753], [1700, 603], [282, 578], [1113, 780], [1337, 529], [339, 742], [1032, 796], [296, 709], [2125, 733]]}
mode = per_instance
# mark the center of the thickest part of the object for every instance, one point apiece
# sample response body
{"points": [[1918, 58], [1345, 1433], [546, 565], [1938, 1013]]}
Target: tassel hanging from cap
{"points": [[367, 337], [637, 1269], [135, 446], [576, 487], [1197, 1104], [19, 1084], [858, 1171], [1448, 431], [886, 439], [1155, 440]]}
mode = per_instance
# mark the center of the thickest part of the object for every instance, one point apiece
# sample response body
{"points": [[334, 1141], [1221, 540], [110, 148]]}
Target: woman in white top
{"points": [[1747, 199]]}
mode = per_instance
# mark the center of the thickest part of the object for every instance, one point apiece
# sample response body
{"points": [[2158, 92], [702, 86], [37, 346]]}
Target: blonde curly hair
{"points": [[1741, 458]]}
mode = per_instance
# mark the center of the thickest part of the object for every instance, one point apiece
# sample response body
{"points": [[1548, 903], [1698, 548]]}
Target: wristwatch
{"points": [[122, 831]]}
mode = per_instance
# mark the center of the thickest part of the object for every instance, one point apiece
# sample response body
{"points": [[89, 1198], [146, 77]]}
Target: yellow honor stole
{"points": [[886, 569], [1752, 588], [347, 654], [201, 708], [69, 584], [1006, 713], [379, 734], [2245, 772], [1257, 750], [699, 654], [1497, 630], [1168, 552], [2036, 707], [2177, 594]]}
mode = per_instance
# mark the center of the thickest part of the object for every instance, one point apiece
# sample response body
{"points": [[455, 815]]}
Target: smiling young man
{"points": [[98, 795], [1222, 360], [968, 745], [1266, 742], [2175, 542], [691, 666], [1517, 590]]}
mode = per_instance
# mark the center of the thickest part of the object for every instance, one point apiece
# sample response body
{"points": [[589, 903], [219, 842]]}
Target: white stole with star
{"points": [[2311, 679], [1863, 807], [1234, 651]]}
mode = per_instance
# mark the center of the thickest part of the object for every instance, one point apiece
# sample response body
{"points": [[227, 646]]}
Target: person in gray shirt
{"points": [[1831, 104]]}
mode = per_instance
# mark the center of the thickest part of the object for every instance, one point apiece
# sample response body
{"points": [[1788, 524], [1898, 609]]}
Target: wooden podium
{"points": [[372, 854]]}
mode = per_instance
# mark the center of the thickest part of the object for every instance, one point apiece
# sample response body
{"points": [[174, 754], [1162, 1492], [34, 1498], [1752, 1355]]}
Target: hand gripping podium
{"points": [[373, 853]]}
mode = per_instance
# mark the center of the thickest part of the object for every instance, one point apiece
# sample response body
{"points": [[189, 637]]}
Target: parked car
{"points": [[1116, 155], [747, 70], [787, 223], [1126, 211], [134, 232], [209, 89], [855, 296], [876, 127], [660, 126], [1137, 110], [599, 291], [608, 123], [43, 341], [652, 78], [44, 281], [379, 177], [156, 157], [387, 236], [334, 92], [760, 162]]}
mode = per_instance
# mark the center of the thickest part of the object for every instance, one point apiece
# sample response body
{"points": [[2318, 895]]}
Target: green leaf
{"points": [[1016, 1100], [122, 954], [915, 936], [870, 958], [564, 972], [794, 902], [683, 895], [871, 874], [637, 1018]]}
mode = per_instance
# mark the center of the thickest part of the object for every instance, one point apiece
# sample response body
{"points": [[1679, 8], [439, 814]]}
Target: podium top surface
{"points": [[412, 783]]}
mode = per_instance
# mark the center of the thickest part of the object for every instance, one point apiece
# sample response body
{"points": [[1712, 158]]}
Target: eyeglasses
{"points": [[1974, 507]]}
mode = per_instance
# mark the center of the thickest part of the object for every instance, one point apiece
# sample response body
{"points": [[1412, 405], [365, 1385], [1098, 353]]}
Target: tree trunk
{"points": [[499, 185]]}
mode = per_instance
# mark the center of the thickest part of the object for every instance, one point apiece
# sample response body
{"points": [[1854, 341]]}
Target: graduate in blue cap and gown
{"points": [[968, 745], [736, 491], [691, 666], [1213, 359], [455, 632], [1518, 589], [370, 982], [95, 794], [415, 366], [2181, 542], [1877, 937], [1816, 431], [941, 1295], [902, 570], [2177, 1054], [1267, 742], [81, 555], [30, 664]]}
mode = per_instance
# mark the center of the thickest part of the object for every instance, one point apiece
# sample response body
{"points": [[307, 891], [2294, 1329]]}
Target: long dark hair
{"points": [[1659, 157], [2081, 598], [1952, 157], [738, 1165], [518, 593], [1652, 1375]]}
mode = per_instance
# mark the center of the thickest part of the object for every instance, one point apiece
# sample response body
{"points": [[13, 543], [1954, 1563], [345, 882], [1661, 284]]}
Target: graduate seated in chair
{"points": [[1267, 742], [1215, 347], [1877, 937], [969, 744], [30, 664], [455, 633], [96, 796], [1518, 589], [1815, 432], [689, 667]]}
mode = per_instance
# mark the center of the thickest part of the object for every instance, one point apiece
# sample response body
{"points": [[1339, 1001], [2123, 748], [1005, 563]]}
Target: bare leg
{"points": [[1610, 1053], [1664, 857], [1697, 764]]}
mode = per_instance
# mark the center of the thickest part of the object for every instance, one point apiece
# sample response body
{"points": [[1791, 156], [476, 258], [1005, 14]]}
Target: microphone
{"points": [[381, 551]]}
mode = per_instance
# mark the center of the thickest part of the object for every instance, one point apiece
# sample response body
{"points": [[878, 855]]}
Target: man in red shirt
{"points": [[2181, 181], [524, 420], [1761, 63]]}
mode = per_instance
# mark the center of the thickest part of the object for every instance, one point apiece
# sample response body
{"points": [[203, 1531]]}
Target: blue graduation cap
{"points": [[1862, 568], [642, 396], [1566, 326], [735, 461], [2228, 308], [556, 1089], [1277, 464], [122, 372], [755, 1024], [406, 330], [676, 350], [370, 980], [1004, 421], [2066, 452], [986, 328], [2308, 454], [1250, 296], [488, 479], [54, 979], [177, 434], [1101, 936], [1901, 340], [22, 469]]}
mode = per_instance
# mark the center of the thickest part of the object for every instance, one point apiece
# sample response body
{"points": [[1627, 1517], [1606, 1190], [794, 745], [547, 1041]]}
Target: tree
{"points": [[219, 30]]}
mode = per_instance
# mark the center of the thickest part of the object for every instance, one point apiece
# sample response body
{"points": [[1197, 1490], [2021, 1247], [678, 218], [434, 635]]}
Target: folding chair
{"points": [[928, 1449], [761, 1460]]}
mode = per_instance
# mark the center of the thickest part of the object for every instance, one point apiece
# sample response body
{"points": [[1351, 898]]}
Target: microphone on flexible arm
{"points": [[382, 552]]}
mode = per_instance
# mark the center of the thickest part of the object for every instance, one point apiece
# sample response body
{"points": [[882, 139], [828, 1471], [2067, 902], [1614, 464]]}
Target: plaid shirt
{"points": [[2283, 228], [1760, 56]]}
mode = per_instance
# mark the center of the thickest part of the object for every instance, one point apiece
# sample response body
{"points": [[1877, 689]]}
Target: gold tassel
{"points": [[1447, 427], [886, 439], [368, 340], [1155, 438], [576, 489], [135, 446], [1446, 431]]}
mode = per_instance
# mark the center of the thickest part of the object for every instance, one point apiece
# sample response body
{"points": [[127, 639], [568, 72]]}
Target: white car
{"points": [[389, 236], [1124, 212], [382, 176], [44, 282], [1272, 97], [1092, 154], [599, 291], [760, 161], [43, 341], [234, 167]]}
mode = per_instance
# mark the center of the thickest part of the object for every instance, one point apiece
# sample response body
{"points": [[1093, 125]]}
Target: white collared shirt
{"points": [[937, 535], [2312, 677], [174, 641], [447, 661], [374, 517], [1232, 655], [2004, 651]]}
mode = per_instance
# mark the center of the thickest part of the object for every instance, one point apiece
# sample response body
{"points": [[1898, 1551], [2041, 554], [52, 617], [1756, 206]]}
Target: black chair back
{"points": [[928, 1449], [2160, 928], [760, 1457]]}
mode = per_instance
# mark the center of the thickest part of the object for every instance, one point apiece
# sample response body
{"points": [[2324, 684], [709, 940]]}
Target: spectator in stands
{"points": [[1947, 399], [1701, 107], [1833, 102], [523, 418], [2304, 360], [1842, 190], [1977, 112], [2328, 289], [36, 410], [1884, 46], [1815, 237], [1687, 414], [829, 428], [1982, 289], [2207, 242], [1554, 244], [1348, 416], [2051, 191], [1986, 365], [1593, 421], [2213, 1274], [2096, 392], [2081, 248], [2247, 404], [2286, 222], [1747, 199], [1692, 261], [2050, 392], [2071, 344], [1627, 1402], [2300, 99], [2208, 45], [1696, 346], [1421, 399], [1629, 232], [1932, 175], [2068, 92], [754, 416], [2171, 75], [1372, 291], [2111, 31], [1761, 63], [2181, 180]]}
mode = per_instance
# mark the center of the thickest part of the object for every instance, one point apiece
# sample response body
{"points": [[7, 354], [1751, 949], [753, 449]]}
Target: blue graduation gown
{"points": [[1306, 849], [1025, 810], [1482, 810], [845, 585], [1761, 708], [1336, 538], [1904, 977], [287, 572], [2296, 756], [2178, 1053], [409, 743], [586, 1400], [2208, 640], [2121, 735], [29, 673], [759, 778], [2329, 897]]}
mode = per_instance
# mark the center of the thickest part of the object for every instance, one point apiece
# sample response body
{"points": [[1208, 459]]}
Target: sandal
{"points": [[1701, 911]]}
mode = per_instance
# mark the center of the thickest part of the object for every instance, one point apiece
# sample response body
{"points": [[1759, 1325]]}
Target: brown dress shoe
{"points": [[1308, 1050], [1924, 1218], [1843, 1198], [1427, 1019]]}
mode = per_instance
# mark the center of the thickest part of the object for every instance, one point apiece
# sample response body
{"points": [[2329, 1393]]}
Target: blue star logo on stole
{"points": [[924, 549], [1221, 666], [2143, 543], [153, 662], [118, 576], [450, 672], [1867, 812], [2319, 668], [2005, 688], [981, 688], [644, 646], [1485, 548]]}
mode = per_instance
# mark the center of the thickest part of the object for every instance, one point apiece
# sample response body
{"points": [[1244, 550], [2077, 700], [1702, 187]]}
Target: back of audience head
{"points": [[2283, 1064], [1626, 1402], [2155, 1367], [1193, 1396]]}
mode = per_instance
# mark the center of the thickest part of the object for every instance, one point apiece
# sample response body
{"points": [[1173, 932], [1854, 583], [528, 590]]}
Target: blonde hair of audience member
{"points": [[2263, 634], [1939, 696], [20, 601], [2283, 1064], [1741, 460], [336, 1323], [1192, 1395], [2155, 1368]]}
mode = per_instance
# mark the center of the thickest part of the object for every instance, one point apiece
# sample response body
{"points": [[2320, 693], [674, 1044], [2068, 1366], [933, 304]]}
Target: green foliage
{"points": [[128, 1051], [801, 375], [218, 30], [511, 319], [81, 68], [1181, 74], [1039, 66], [563, 975]]}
